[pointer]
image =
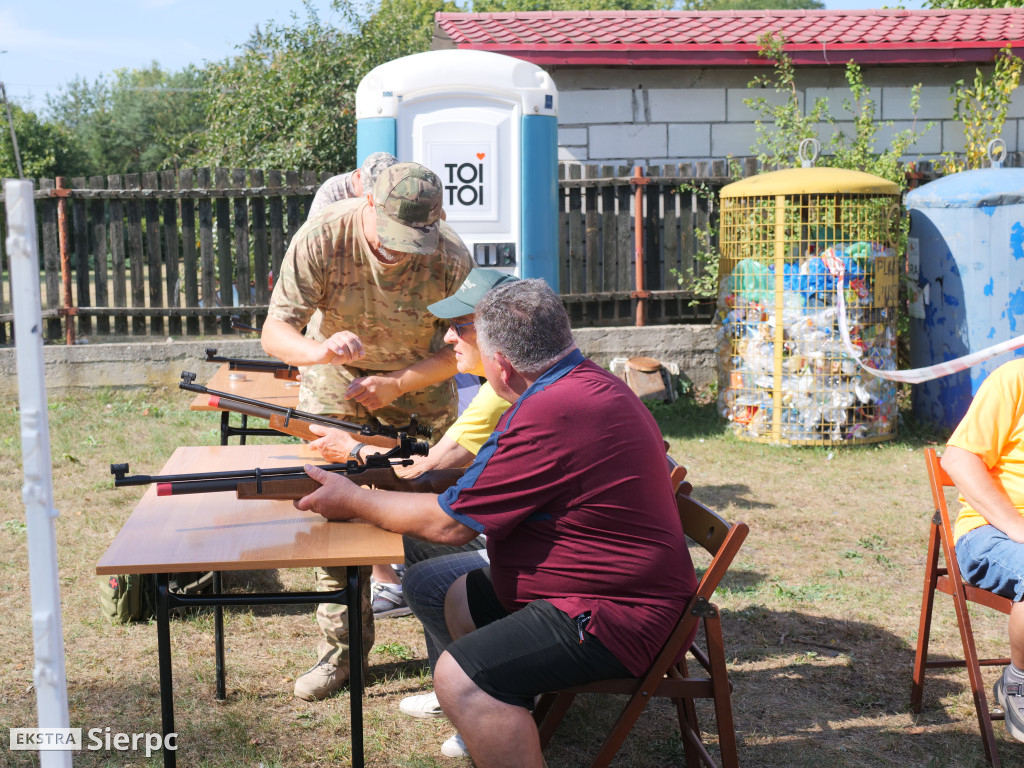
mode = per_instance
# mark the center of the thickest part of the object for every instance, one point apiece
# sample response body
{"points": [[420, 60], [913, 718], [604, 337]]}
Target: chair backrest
{"points": [[938, 480], [677, 474], [715, 534], [722, 540]]}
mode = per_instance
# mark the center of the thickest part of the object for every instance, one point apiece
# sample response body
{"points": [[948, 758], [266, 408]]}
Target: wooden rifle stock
{"points": [[384, 478], [285, 424]]}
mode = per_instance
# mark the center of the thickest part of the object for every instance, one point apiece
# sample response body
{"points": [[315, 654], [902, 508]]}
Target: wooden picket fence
{"points": [[146, 253]]}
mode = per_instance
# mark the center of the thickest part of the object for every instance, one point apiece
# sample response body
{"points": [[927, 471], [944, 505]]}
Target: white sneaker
{"points": [[423, 705], [454, 747]]}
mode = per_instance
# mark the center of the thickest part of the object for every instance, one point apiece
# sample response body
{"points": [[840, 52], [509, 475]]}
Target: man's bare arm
{"points": [[447, 454], [283, 341], [377, 391], [416, 514], [987, 497]]}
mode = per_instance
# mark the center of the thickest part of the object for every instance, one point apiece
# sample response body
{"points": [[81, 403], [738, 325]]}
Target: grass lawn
{"points": [[820, 615]]}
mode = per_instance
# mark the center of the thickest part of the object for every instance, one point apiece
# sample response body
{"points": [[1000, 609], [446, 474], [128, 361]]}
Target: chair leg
{"points": [[723, 692], [988, 737], [931, 577], [549, 713], [689, 726]]}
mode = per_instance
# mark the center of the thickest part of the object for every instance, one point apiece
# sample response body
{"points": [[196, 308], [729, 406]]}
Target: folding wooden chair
{"points": [[665, 678], [949, 581], [677, 473]]}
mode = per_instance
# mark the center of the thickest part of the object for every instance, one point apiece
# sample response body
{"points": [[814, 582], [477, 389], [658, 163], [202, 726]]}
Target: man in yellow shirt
{"points": [[985, 458]]}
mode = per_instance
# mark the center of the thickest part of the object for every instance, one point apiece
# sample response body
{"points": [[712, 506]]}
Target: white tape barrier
{"points": [[834, 264]]}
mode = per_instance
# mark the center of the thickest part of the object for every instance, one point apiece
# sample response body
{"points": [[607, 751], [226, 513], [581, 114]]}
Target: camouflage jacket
{"points": [[331, 281]]}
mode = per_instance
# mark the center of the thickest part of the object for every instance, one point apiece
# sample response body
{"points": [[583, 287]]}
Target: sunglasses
{"points": [[455, 327]]}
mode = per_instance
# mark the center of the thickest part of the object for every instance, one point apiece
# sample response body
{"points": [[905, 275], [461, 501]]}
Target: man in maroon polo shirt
{"points": [[589, 567]]}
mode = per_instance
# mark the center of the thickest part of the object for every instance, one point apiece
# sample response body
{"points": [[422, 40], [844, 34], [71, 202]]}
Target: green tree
{"points": [[47, 149], [389, 29], [136, 121], [287, 100], [785, 124], [752, 5], [982, 107], [513, 6], [964, 4]]}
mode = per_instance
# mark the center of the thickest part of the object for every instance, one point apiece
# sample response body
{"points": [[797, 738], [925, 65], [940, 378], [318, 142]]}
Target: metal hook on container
{"points": [[996, 151], [815, 148]]}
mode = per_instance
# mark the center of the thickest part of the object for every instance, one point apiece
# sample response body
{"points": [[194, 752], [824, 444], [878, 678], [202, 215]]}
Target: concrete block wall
{"points": [[656, 117], [159, 364]]}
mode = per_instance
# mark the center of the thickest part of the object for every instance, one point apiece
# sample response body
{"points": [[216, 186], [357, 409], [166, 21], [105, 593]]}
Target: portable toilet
{"points": [[487, 125], [966, 267]]}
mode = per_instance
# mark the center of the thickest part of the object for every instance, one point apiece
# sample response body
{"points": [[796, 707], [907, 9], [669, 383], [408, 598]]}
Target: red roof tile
{"points": [[729, 38]]}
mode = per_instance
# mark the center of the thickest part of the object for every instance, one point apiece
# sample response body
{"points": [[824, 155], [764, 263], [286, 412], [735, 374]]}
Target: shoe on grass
{"points": [[454, 747], [388, 603], [320, 681], [1011, 698], [423, 705]]}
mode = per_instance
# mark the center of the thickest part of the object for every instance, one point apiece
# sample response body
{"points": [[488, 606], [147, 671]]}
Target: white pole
{"points": [[48, 674]]}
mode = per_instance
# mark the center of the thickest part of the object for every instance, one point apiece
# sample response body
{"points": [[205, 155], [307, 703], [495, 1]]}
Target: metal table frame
{"points": [[167, 600]]}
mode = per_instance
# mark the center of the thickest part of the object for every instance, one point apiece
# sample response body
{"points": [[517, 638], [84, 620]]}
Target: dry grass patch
{"points": [[820, 616]]}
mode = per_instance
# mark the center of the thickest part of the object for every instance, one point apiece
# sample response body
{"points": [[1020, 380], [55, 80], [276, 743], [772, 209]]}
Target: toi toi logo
{"points": [[465, 182]]}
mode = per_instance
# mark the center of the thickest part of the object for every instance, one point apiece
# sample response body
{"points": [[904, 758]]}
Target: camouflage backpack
{"points": [[131, 597]]}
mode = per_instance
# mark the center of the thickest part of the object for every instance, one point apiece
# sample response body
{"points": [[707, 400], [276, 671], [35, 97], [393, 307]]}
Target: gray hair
{"points": [[526, 322], [372, 167]]}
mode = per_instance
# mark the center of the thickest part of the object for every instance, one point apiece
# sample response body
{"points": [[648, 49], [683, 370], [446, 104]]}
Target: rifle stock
{"points": [[383, 478]]}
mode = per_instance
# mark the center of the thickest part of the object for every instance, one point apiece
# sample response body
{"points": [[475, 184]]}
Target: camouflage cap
{"points": [[477, 283], [408, 198], [373, 166]]}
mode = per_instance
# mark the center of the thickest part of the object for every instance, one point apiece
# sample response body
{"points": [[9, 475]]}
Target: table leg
{"points": [[355, 663], [163, 644], [244, 427], [225, 423], [218, 639]]}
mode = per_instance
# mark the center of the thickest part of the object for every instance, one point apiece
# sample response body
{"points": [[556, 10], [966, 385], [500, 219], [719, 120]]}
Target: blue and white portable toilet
{"points": [[966, 270], [487, 125]]}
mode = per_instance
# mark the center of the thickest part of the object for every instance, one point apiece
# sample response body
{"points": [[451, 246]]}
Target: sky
{"points": [[48, 43]]}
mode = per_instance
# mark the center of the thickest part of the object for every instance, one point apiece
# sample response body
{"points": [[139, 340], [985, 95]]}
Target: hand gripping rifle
{"points": [[295, 422], [293, 482], [279, 369]]}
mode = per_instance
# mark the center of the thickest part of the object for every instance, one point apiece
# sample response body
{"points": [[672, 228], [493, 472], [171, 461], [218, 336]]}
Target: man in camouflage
{"points": [[359, 276]]}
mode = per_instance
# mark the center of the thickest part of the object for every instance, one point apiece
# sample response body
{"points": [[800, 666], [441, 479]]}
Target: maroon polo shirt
{"points": [[573, 494]]}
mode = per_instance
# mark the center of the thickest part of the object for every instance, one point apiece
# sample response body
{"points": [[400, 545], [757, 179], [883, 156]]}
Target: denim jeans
{"points": [[425, 585], [991, 560]]}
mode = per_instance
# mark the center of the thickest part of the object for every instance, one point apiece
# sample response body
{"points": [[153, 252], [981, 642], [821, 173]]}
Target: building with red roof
{"points": [[659, 87]]}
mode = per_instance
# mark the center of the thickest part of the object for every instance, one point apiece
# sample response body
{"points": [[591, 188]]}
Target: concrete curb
{"points": [[156, 363]]}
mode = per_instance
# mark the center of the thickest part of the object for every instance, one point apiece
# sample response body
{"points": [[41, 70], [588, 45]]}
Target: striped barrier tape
{"points": [[834, 264]]}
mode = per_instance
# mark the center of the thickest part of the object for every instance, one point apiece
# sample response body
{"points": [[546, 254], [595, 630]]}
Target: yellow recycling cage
{"points": [[784, 375]]}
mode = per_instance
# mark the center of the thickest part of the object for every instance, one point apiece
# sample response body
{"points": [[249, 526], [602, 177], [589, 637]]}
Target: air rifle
{"points": [[293, 482], [238, 325], [295, 422], [279, 369]]}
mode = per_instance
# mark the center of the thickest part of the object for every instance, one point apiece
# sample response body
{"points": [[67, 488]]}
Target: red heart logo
{"points": [[479, 155]]}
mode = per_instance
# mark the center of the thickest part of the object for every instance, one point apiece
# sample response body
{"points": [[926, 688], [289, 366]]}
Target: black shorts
{"points": [[514, 657]]}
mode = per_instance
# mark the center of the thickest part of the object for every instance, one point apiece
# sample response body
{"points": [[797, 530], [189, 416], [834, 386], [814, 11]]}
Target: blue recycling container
{"points": [[968, 232]]}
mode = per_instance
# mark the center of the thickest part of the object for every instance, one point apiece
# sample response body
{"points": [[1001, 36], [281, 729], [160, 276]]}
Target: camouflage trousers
{"points": [[333, 617]]}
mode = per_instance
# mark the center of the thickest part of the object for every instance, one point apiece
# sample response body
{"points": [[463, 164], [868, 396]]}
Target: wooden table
{"points": [[218, 532], [256, 385]]}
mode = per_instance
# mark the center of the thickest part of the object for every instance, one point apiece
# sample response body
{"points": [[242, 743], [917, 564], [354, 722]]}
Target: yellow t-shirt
{"points": [[476, 423], [993, 429]]}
